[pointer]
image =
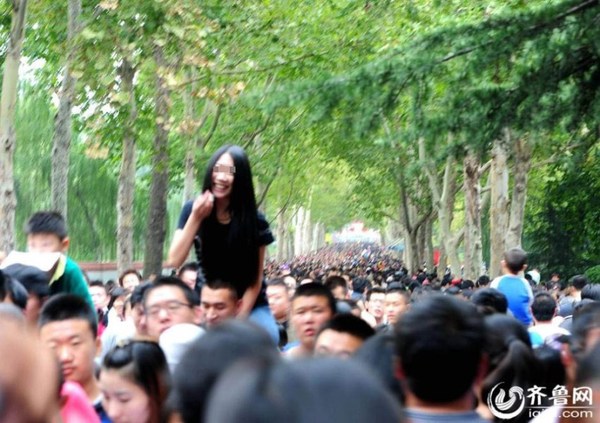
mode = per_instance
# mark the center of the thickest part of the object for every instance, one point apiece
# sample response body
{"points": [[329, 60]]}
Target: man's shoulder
{"points": [[508, 280]]}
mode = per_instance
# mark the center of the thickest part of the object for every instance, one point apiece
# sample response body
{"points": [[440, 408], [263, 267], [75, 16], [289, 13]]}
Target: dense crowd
{"points": [[345, 334]]}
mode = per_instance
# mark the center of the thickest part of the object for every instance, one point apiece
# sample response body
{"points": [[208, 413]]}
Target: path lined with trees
{"points": [[465, 126]]}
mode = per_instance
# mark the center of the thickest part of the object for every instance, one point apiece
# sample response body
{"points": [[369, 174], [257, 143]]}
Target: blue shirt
{"points": [[518, 294]]}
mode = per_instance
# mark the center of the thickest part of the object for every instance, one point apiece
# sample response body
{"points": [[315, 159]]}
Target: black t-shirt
{"points": [[221, 260]]}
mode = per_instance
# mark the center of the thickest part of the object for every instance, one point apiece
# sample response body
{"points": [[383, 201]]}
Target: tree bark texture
{"points": [[61, 143], [522, 164], [156, 224], [499, 218], [10, 80], [126, 189], [472, 190], [443, 195]]}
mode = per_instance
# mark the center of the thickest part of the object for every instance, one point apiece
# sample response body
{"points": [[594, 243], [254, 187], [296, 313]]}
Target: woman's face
{"points": [[123, 400], [130, 281], [222, 176]]}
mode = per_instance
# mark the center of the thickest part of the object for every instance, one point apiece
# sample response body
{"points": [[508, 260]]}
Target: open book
{"points": [[51, 264]]}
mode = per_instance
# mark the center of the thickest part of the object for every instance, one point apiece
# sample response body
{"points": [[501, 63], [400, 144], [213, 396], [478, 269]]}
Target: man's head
{"points": [[483, 281], [47, 233], [129, 279], [169, 302], [136, 302], [489, 301], [440, 338], [219, 302], [338, 287], [342, 335], [99, 295], [68, 326], [279, 299], [585, 334], [188, 274], [29, 379], [579, 281], [376, 302], [515, 261], [397, 302], [312, 305], [543, 307]]}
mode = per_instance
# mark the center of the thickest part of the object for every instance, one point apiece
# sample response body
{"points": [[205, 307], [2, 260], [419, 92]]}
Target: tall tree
{"points": [[10, 80], [157, 209], [126, 193], [63, 121]]}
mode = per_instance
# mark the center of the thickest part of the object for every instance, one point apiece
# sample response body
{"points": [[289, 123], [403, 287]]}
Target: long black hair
{"points": [[143, 363], [243, 232]]}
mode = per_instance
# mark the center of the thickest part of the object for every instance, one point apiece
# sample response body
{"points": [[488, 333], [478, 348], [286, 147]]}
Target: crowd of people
{"points": [[346, 334]]}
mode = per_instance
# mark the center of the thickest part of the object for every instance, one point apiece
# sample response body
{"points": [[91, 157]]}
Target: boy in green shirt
{"points": [[47, 233]]}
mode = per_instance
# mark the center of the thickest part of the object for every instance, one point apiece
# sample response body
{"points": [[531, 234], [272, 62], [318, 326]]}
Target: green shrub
{"points": [[593, 274]]}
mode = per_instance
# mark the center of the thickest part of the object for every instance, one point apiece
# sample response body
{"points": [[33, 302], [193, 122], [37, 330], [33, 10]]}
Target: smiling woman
{"points": [[232, 234]]}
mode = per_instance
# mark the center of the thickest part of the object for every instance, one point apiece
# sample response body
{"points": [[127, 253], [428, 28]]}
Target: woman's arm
{"points": [[252, 292], [184, 238]]}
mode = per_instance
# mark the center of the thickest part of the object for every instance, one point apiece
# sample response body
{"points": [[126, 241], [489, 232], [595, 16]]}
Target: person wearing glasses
{"points": [[135, 382], [168, 302], [229, 234]]}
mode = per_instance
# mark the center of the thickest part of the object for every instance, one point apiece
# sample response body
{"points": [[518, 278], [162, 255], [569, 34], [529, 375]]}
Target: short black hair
{"points": [[333, 282], [277, 282], [579, 281], [314, 289], [129, 272], [483, 280], [137, 296], [207, 359], [350, 324], [489, 301], [62, 307], [223, 284], [192, 265], [543, 307], [398, 289], [98, 284], [375, 290], [190, 295], [591, 291], [440, 338], [515, 259], [47, 222]]}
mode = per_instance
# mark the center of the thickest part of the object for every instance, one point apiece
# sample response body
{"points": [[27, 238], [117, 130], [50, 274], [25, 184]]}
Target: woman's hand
{"points": [[203, 205]]}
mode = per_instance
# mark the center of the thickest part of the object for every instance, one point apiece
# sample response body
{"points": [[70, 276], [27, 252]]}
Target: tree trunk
{"points": [[280, 236], [298, 233], [443, 201], [522, 157], [411, 251], [428, 258], [62, 122], [422, 244], [306, 232], [410, 227], [10, 80], [189, 181], [156, 229], [499, 203], [472, 190], [126, 189]]}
